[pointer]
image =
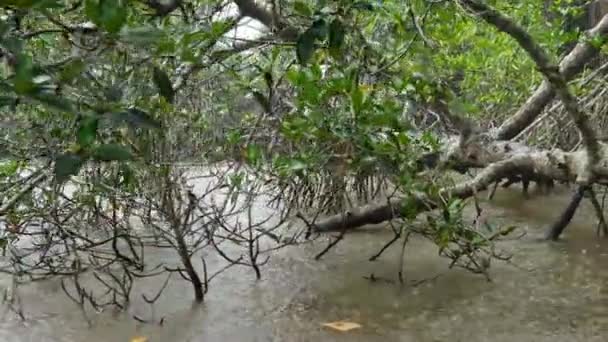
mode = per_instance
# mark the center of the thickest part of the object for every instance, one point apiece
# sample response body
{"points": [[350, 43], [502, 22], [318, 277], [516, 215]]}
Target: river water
{"points": [[553, 291]]}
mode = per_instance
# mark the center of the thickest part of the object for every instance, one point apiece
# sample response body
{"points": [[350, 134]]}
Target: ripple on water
{"points": [[553, 292]]}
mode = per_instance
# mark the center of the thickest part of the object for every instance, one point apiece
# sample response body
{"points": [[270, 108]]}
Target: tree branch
{"points": [[500, 159], [551, 73], [571, 65]]}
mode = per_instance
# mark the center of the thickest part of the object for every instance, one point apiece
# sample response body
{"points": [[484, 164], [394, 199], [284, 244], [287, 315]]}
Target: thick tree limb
{"points": [[571, 65], [558, 227], [501, 160], [553, 76]]}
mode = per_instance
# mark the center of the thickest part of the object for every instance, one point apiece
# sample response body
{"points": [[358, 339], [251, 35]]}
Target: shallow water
{"points": [[552, 292]]}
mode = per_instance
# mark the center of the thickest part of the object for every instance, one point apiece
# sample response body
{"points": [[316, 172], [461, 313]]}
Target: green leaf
{"points": [[138, 118], [114, 93], [305, 47], [47, 4], [67, 165], [24, 74], [109, 14], [262, 100], [87, 130], [363, 5], [253, 154], [143, 36], [54, 101], [9, 168], [112, 152], [4, 28], [319, 29], [302, 8], [7, 101], [336, 37], [296, 165], [71, 70], [163, 83]]}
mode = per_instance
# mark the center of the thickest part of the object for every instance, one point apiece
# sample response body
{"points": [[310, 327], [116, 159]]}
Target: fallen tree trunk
{"points": [[505, 159], [557, 164]]}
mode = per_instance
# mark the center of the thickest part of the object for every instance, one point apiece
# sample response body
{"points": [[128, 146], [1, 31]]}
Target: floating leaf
{"points": [[336, 37], [67, 165], [305, 47], [163, 83], [342, 326], [112, 152], [139, 339]]}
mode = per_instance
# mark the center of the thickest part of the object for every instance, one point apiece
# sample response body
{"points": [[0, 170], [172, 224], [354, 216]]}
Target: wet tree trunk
{"points": [[558, 227]]}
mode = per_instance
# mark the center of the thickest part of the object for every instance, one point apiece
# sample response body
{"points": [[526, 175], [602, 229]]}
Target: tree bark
{"points": [[571, 65], [558, 227], [504, 159]]}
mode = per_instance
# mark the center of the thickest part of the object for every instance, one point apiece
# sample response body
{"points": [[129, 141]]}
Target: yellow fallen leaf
{"points": [[342, 326], [139, 339]]}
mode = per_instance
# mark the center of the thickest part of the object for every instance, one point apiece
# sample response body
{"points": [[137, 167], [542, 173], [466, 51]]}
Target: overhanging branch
{"points": [[571, 65], [553, 76]]}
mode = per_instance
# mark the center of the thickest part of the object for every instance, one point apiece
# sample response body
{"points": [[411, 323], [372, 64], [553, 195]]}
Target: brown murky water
{"points": [[555, 292]]}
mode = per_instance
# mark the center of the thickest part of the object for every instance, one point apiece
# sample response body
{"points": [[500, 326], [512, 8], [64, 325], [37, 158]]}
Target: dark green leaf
{"points": [[268, 79], [163, 83], [112, 152], [87, 130], [47, 4], [114, 93], [54, 101], [253, 154], [262, 100], [139, 118], [4, 28], [305, 47], [363, 5], [319, 29], [67, 165], [145, 35], [336, 37], [71, 70], [24, 74], [109, 14], [7, 101], [92, 10], [302, 8]]}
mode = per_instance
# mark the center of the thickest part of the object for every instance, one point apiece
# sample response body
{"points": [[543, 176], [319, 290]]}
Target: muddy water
{"points": [[553, 292]]}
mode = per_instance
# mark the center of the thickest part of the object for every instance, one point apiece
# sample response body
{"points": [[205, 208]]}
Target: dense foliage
{"points": [[322, 105]]}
